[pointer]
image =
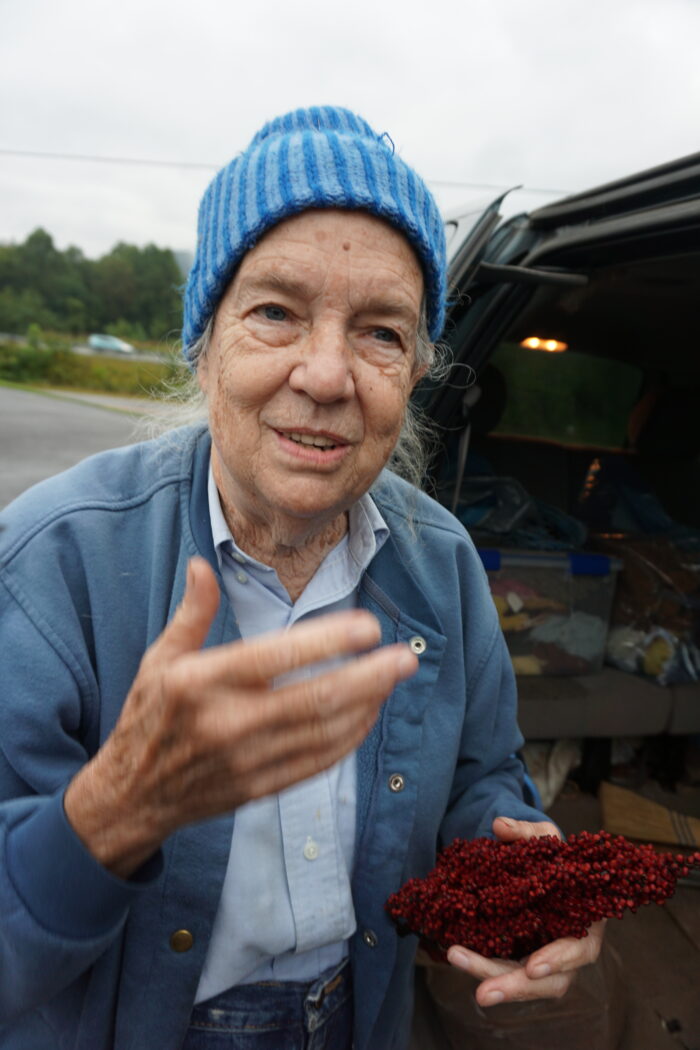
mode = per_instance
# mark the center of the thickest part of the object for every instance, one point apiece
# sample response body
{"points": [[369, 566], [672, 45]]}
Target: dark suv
{"points": [[611, 277]]}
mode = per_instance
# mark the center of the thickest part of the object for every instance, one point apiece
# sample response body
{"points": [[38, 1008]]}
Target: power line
{"points": [[143, 162], [493, 186], [46, 155]]}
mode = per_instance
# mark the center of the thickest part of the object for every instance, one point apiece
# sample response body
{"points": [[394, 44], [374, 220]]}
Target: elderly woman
{"points": [[252, 679]]}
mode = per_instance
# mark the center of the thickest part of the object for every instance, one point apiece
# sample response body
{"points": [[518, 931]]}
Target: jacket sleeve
{"points": [[488, 780], [59, 908]]}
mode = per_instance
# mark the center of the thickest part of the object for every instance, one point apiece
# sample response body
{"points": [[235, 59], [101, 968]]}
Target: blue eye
{"points": [[386, 335], [271, 312]]}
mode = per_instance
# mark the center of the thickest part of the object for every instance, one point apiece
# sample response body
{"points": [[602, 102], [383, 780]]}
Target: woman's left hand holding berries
{"points": [[546, 974]]}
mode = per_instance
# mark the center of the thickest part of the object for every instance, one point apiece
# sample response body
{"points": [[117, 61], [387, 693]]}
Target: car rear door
{"points": [[495, 271]]}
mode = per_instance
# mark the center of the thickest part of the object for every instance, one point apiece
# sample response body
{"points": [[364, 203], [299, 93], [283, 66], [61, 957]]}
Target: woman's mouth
{"points": [[317, 440], [314, 449]]}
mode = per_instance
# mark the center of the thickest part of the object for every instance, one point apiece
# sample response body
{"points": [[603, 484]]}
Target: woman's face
{"points": [[311, 364]]}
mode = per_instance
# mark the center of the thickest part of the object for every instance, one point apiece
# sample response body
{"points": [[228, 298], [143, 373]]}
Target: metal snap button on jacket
{"points": [[396, 782], [370, 938], [181, 941], [417, 644]]}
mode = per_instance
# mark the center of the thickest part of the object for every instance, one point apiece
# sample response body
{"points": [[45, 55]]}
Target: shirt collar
{"points": [[367, 530]]}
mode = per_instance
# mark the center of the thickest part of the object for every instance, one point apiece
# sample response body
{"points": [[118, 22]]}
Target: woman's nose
{"points": [[324, 369]]}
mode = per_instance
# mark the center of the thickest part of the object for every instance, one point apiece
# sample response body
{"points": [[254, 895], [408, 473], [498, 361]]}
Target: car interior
{"points": [[634, 324], [617, 401]]}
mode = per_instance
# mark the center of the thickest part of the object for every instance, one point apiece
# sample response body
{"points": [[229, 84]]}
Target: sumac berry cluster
{"points": [[507, 900]]}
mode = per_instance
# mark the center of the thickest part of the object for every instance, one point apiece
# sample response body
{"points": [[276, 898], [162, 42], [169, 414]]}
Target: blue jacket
{"points": [[92, 566]]}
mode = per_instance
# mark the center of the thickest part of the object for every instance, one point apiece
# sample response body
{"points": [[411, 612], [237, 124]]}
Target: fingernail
{"points": [[543, 970], [492, 998], [458, 958], [508, 821]]}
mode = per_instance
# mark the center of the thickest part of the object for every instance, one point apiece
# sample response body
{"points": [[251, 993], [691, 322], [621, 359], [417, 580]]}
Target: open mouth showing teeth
{"points": [[316, 440]]}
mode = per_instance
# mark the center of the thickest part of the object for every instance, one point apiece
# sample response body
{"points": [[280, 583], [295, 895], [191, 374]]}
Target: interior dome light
{"points": [[551, 346]]}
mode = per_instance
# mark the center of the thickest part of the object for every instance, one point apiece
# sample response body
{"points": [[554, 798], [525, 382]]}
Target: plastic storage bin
{"points": [[554, 608]]}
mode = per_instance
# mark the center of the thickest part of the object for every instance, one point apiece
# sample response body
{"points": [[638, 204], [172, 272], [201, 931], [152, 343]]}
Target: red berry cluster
{"points": [[507, 900]]}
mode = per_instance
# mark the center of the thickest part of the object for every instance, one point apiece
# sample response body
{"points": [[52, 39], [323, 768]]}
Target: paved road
{"points": [[41, 435]]}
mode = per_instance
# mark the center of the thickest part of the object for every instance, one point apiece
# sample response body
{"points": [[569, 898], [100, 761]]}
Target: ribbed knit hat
{"points": [[323, 157]]}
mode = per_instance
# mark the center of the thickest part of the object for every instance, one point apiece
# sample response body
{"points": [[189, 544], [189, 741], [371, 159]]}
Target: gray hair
{"points": [[184, 403]]}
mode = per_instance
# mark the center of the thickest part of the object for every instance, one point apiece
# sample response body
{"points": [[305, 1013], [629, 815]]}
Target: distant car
{"points": [[110, 344]]}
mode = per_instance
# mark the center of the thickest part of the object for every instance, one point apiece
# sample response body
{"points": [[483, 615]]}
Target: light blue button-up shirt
{"points": [[286, 909]]}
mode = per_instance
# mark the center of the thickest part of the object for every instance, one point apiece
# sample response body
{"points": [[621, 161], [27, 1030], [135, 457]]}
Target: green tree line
{"points": [[131, 292]]}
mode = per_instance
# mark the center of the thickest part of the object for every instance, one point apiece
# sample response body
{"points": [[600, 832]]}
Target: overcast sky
{"points": [[552, 94]]}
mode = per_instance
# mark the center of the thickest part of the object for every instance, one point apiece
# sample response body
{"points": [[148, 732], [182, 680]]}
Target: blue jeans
{"points": [[284, 1015]]}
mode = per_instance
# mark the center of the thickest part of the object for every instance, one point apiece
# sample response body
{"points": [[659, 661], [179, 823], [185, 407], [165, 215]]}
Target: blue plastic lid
{"points": [[577, 563]]}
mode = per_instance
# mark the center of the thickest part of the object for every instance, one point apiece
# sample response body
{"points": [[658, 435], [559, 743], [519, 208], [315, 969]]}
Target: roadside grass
{"points": [[35, 367]]}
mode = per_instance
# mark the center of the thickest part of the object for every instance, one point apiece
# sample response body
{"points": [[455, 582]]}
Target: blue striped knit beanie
{"points": [[323, 157]]}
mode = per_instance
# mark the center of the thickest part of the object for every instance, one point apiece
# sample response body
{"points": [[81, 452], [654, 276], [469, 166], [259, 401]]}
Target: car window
{"points": [[567, 397], [467, 230]]}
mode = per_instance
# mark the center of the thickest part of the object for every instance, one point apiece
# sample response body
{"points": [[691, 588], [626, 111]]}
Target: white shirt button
{"points": [[241, 577], [238, 557], [311, 849]]}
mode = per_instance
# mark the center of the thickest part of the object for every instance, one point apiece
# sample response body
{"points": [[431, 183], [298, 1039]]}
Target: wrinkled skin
{"points": [[316, 339], [203, 731]]}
